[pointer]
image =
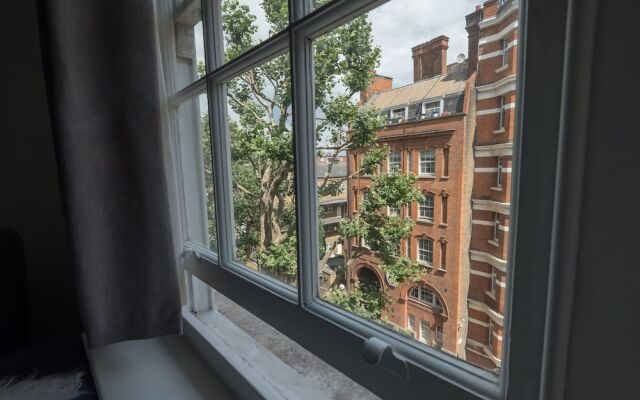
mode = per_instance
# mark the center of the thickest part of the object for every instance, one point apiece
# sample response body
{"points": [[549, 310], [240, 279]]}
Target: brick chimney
{"points": [[378, 84], [473, 29], [430, 58]]}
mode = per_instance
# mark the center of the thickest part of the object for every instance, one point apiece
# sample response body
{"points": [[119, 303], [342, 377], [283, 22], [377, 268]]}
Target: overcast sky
{"points": [[397, 26]]}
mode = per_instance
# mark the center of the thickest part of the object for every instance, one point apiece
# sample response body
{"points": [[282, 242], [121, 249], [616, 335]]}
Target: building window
{"points": [[494, 281], [496, 226], [394, 212], [411, 322], [426, 208], [424, 331], [409, 162], [397, 115], [502, 113], [428, 162], [439, 336], [425, 251], [505, 51], [499, 173], [395, 165], [444, 209], [431, 110], [408, 247], [443, 255], [425, 296], [490, 336], [445, 162]]}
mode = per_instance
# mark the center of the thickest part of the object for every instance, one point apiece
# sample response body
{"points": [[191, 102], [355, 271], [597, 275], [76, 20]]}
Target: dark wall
{"points": [[604, 357], [30, 202]]}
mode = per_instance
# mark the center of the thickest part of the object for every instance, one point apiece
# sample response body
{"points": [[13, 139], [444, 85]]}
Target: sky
{"points": [[398, 25]]}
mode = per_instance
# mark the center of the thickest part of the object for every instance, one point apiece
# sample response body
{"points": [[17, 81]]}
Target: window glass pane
{"points": [[189, 42], [422, 78], [247, 23], [262, 167], [197, 171]]}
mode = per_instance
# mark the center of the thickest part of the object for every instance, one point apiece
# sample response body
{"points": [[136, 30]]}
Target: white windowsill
{"points": [[425, 221], [504, 67], [195, 365], [496, 188], [427, 176], [494, 243], [498, 131]]}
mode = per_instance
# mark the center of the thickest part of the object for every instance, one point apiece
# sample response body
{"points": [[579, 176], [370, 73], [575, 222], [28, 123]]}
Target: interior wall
{"points": [[604, 360], [30, 201]]}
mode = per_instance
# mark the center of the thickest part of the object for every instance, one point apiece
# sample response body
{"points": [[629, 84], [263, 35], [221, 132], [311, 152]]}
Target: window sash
{"points": [[426, 208], [272, 301], [428, 162]]}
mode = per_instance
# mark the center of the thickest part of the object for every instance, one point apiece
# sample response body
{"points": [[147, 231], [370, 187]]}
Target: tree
{"points": [[262, 152]]}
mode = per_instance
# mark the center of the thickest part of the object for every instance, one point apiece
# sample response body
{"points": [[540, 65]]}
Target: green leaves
{"points": [[366, 301], [280, 257]]}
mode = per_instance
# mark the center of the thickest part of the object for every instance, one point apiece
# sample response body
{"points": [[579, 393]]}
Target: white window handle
{"points": [[380, 353]]}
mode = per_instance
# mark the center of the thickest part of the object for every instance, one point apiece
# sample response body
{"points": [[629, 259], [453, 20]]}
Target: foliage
{"points": [[366, 301], [273, 256]]}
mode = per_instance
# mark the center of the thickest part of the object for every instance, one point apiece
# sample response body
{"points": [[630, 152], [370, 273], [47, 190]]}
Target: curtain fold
{"points": [[106, 113]]}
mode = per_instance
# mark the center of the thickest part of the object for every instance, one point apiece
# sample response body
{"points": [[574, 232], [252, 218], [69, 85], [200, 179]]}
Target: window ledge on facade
{"points": [[504, 67], [425, 221], [444, 177], [427, 176], [425, 264], [441, 269], [494, 243], [498, 131], [443, 225], [496, 188], [491, 295]]}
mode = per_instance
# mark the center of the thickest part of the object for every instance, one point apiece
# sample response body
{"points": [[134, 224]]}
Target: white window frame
{"points": [[424, 331], [425, 251], [398, 164], [411, 323], [299, 313], [499, 172], [424, 208], [428, 163], [505, 51], [496, 227], [502, 114], [425, 296], [409, 162]]}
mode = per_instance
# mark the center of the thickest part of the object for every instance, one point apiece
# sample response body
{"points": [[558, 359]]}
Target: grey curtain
{"points": [[105, 109]]}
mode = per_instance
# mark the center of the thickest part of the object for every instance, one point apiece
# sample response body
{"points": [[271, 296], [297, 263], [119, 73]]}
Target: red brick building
{"points": [[496, 27], [430, 126]]}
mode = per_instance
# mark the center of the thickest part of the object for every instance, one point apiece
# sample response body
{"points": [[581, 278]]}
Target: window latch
{"points": [[380, 353]]}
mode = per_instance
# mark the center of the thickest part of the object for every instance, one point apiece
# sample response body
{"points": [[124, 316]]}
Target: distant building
{"points": [[333, 208], [430, 126], [496, 26]]}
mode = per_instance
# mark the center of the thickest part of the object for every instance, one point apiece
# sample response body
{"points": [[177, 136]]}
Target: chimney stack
{"points": [[430, 58], [378, 84], [473, 29]]}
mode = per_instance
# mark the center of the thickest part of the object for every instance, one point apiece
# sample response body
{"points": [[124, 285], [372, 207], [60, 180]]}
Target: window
{"points": [[397, 115], [502, 113], [505, 51], [408, 247], [445, 198], [431, 110], [490, 335], [439, 336], [445, 162], [424, 331], [425, 296], [395, 164], [409, 162], [425, 251], [499, 173], [394, 211], [494, 281], [426, 208], [496, 226], [250, 80], [428, 162], [411, 323], [443, 255]]}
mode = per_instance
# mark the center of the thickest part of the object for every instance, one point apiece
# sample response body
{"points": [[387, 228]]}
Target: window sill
{"points": [[425, 264], [496, 188], [443, 225], [441, 269], [425, 221], [427, 176], [444, 178], [494, 243], [503, 68], [499, 131], [491, 295]]}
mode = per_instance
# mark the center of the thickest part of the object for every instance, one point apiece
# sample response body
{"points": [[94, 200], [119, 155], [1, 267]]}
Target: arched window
{"points": [[428, 162], [425, 296], [368, 278]]}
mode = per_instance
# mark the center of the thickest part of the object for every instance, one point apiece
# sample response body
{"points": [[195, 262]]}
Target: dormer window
{"points": [[397, 115], [430, 110]]}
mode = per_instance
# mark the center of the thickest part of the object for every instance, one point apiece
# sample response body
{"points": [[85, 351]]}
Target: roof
{"points": [[435, 87], [338, 170]]}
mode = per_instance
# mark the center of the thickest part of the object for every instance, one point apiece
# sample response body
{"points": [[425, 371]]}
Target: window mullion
{"points": [[305, 165]]}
